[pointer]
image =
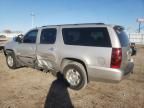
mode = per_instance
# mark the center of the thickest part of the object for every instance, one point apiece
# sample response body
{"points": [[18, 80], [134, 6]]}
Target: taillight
{"points": [[116, 58]]}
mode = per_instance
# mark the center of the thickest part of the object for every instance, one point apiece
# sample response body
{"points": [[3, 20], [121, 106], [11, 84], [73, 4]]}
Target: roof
{"points": [[77, 24]]}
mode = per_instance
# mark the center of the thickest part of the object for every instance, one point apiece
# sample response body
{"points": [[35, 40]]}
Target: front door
{"points": [[26, 51]]}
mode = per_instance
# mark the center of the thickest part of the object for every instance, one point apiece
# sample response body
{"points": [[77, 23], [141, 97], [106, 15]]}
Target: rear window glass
{"points": [[123, 38], [86, 37]]}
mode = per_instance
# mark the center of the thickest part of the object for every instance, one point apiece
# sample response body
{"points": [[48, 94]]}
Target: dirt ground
{"points": [[29, 88]]}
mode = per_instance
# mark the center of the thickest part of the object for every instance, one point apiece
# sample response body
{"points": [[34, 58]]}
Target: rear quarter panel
{"points": [[91, 56]]}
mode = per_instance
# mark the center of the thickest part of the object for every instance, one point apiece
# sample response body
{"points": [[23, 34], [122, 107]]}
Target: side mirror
{"points": [[133, 48], [19, 38]]}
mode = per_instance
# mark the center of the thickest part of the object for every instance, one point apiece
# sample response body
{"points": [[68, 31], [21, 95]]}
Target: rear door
{"points": [[46, 50]]}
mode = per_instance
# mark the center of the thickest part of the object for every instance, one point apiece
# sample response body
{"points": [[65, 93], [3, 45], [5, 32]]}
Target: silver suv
{"points": [[81, 52]]}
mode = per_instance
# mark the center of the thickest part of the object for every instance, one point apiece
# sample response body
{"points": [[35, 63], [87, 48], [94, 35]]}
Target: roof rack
{"points": [[76, 24]]}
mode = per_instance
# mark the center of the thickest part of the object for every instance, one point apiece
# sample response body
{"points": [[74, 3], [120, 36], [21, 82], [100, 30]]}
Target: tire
{"points": [[75, 75], [11, 60]]}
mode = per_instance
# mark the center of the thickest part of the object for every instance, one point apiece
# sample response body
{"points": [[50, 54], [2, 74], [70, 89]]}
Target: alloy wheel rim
{"points": [[73, 77], [10, 61]]}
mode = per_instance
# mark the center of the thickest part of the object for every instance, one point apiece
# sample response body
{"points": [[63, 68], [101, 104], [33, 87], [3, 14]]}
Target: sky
{"points": [[16, 14]]}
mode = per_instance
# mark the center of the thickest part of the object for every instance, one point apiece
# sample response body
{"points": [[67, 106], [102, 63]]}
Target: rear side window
{"points": [[86, 37], [48, 36], [123, 38]]}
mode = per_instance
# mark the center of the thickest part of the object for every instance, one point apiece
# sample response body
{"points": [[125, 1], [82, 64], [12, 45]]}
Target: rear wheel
{"points": [[11, 60], [75, 75]]}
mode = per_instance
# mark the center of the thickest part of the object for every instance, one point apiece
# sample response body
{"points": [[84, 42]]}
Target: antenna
{"points": [[32, 19]]}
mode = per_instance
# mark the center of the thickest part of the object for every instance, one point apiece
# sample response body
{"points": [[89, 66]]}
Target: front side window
{"points": [[30, 37], [86, 37], [48, 36]]}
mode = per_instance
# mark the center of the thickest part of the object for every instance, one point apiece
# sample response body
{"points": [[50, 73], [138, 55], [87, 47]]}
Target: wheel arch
{"points": [[7, 51], [68, 60]]}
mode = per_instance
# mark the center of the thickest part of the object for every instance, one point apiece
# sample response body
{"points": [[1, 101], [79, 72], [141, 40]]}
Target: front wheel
{"points": [[11, 60], [75, 75]]}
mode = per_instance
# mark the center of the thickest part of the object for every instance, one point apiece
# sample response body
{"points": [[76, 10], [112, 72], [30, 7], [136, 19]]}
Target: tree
{"points": [[7, 31]]}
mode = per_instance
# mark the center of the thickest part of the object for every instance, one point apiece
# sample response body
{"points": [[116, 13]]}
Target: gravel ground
{"points": [[30, 88]]}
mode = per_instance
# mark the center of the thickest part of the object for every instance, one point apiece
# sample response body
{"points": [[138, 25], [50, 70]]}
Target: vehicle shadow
{"points": [[58, 96]]}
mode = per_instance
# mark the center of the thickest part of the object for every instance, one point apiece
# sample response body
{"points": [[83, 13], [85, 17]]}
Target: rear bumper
{"points": [[109, 74]]}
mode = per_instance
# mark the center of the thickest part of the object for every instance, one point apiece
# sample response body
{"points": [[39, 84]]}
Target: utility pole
{"points": [[32, 19], [139, 30], [140, 21]]}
